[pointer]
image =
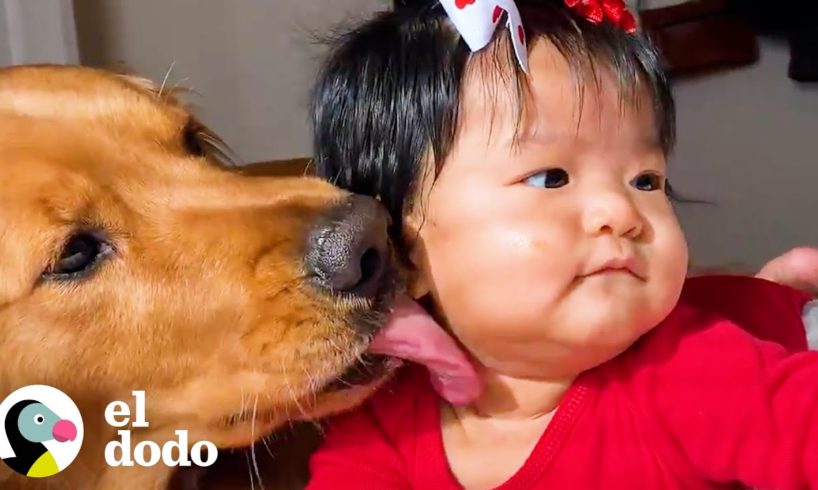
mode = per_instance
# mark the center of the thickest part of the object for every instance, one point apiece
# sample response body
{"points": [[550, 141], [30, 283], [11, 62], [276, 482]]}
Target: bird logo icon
{"points": [[41, 431]]}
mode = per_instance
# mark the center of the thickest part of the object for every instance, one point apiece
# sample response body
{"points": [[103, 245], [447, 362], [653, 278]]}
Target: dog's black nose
{"points": [[349, 252]]}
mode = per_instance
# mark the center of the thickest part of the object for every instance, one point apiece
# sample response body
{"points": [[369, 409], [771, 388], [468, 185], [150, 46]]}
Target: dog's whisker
{"points": [[288, 416], [337, 176], [313, 386], [250, 472], [279, 417], [304, 413], [178, 85], [267, 446], [241, 399], [294, 399], [318, 427], [165, 80], [253, 446]]}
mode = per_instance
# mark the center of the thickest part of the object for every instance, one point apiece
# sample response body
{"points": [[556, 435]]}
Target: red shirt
{"points": [[697, 403]]}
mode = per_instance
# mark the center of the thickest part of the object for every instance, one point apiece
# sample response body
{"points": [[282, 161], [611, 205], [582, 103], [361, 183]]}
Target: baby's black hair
{"points": [[387, 98]]}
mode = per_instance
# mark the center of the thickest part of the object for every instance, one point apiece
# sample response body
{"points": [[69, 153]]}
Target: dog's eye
{"points": [[191, 137], [201, 141], [80, 254]]}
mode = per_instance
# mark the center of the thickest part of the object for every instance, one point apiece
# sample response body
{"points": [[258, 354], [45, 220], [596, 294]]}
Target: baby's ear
{"points": [[418, 284]]}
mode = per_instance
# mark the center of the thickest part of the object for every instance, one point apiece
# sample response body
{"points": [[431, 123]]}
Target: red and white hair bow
{"points": [[615, 11], [476, 20]]}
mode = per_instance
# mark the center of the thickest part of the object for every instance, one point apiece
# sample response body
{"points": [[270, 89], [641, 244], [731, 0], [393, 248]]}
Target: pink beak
{"points": [[64, 430]]}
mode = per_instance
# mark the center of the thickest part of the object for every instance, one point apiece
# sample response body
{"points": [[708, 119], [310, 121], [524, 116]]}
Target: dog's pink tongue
{"points": [[412, 334]]}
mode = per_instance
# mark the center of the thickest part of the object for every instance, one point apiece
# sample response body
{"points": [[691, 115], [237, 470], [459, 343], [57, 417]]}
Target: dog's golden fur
{"points": [[201, 301]]}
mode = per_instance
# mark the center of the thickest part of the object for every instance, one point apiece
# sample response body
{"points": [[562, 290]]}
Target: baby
{"points": [[525, 172]]}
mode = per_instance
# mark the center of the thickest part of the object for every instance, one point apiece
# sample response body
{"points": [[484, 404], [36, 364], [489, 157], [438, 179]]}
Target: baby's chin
{"points": [[547, 357], [580, 332], [632, 309], [534, 367], [616, 330]]}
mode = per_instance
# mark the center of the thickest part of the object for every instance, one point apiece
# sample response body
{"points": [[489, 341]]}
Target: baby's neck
{"points": [[491, 439], [509, 397]]}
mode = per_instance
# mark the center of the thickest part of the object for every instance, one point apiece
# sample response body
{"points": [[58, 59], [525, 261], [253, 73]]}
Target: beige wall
{"points": [[39, 31], [747, 138], [5, 45], [250, 61]]}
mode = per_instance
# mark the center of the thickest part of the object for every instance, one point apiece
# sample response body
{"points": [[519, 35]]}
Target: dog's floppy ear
{"points": [[196, 137]]}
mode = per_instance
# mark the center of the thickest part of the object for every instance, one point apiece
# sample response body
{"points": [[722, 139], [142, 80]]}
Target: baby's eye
{"points": [[648, 182], [550, 179]]}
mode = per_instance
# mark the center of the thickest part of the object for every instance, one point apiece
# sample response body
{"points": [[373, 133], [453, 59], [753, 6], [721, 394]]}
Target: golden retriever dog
{"points": [[132, 258]]}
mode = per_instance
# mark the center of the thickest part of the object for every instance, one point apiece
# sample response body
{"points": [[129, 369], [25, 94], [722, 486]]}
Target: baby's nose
{"points": [[613, 213]]}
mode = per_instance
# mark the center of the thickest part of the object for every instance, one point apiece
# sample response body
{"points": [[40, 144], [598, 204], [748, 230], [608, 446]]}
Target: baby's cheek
{"points": [[666, 286], [670, 254]]}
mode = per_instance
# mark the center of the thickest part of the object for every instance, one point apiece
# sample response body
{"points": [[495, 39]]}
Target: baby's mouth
{"points": [[618, 265]]}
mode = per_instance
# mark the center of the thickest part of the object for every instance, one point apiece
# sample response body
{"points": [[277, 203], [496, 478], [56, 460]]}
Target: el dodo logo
{"points": [[40, 431], [148, 453]]}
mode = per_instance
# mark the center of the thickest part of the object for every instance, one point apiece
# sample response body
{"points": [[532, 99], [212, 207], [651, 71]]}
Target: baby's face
{"points": [[554, 255]]}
